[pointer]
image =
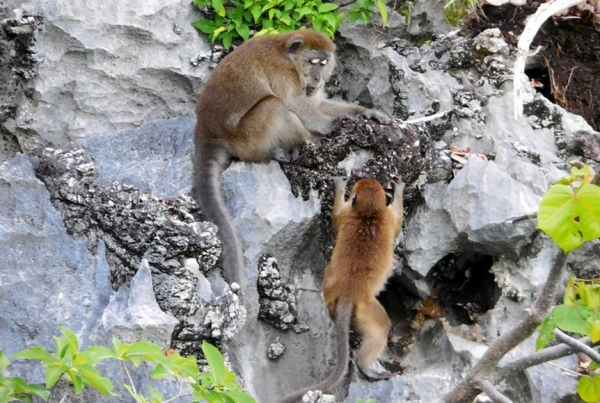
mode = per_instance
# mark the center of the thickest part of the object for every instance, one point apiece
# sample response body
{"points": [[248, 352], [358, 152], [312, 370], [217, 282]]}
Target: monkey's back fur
{"points": [[272, 80], [363, 256]]}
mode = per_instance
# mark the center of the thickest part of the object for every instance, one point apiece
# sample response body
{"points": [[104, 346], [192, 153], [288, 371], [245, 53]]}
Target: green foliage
{"points": [[570, 214], [67, 360], [218, 385], [456, 10], [570, 211], [239, 19], [14, 389], [579, 313], [366, 401]]}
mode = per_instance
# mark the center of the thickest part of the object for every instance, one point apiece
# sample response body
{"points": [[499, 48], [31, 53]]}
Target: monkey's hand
{"points": [[377, 116], [340, 184], [398, 185]]}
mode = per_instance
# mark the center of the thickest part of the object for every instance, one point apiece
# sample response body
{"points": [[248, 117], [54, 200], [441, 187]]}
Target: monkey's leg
{"points": [[268, 129], [373, 322]]}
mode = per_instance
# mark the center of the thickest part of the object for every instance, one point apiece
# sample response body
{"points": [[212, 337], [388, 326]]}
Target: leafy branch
{"points": [[570, 214], [79, 367], [229, 20]]}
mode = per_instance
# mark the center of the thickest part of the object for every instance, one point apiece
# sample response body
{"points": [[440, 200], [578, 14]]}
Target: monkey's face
{"points": [[316, 68]]}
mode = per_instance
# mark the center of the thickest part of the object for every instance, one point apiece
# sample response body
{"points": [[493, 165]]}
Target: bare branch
{"points": [[533, 25], [590, 352], [468, 388], [547, 354], [492, 392]]}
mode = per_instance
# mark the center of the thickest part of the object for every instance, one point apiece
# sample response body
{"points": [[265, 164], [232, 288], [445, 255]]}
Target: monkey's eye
{"points": [[315, 61], [323, 62]]}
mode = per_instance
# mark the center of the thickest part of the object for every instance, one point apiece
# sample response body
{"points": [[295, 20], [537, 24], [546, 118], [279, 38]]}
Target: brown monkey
{"points": [[264, 98], [360, 265]]}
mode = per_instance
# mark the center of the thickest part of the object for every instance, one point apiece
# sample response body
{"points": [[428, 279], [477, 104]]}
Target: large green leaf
{"points": [[34, 353], [215, 362], [589, 388], [572, 318], [568, 217]]}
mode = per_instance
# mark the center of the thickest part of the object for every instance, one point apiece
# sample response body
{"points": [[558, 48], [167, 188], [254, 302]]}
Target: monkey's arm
{"points": [[397, 206], [338, 202], [336, 109]]}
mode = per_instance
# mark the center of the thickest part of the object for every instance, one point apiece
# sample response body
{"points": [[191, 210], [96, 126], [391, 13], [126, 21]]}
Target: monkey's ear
{"points": [[354, 199], [295, 44]]}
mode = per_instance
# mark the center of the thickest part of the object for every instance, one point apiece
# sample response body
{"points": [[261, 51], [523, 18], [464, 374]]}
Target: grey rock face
{"points": [[19, 59], [121, 80], [110, 67], [277, 302]]}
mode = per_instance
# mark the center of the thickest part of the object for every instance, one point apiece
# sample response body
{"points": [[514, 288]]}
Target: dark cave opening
{"points": [[464, 286], [540, 78]]}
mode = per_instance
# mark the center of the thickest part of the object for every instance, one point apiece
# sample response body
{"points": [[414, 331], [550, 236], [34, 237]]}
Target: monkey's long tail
{"points": [[343, 314], [210, 163]]}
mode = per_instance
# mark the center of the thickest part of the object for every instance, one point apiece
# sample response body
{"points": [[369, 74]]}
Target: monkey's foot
{"points": [[285, 157], [374, 375]]}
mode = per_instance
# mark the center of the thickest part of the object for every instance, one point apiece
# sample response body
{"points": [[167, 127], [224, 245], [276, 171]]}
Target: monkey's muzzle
{"points": [[310, 90]]}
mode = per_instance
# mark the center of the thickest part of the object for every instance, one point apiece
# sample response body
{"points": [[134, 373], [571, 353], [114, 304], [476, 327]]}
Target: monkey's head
{"points": [[313, 54], [368, 197]]}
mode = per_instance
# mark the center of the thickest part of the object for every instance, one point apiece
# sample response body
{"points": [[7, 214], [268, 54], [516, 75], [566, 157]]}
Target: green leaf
{"points": [[211, 396], [218, 6], [595, 331], [227, 40], [4, 362], [588, 209], [589, 294], [35, 353], [95, 354], [572, 318], [92, 377], [570, 218], [243, 31], [215, 362], [239, 397], [144, 348], [269, 5], [217, 32], [205, 25], [187, 367], [21, 386], [53, 373], [382, 11], [589, 388], [327, 7], [353, 16], [256, 11], [160, 372], [546, 335], [71, 338], [77, 381]]}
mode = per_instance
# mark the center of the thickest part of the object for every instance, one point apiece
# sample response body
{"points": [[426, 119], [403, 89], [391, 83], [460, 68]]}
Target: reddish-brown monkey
{"points": [[263, 99], [362, 261]]}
